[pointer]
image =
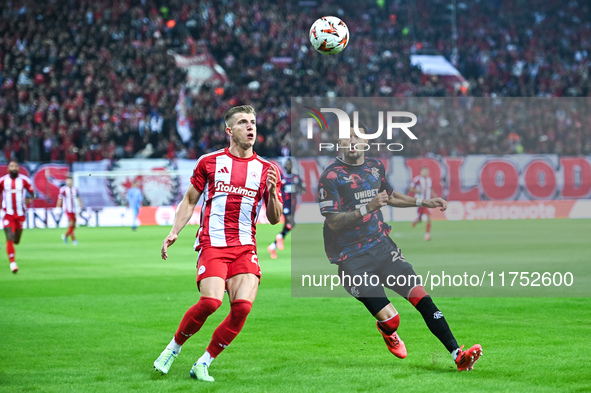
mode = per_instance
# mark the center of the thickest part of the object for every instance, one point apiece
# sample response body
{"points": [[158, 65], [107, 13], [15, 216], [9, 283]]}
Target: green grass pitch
{"points": [[93, 318]]}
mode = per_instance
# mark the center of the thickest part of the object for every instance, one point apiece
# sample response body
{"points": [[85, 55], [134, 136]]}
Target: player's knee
{"points": [[417, 294], [209, 305], [239, 309], [374, 304]]}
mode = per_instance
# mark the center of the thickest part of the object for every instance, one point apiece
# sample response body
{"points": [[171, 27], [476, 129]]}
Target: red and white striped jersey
{"points": [[68, 196], [233, 191], [13, 194], [422, 186]]}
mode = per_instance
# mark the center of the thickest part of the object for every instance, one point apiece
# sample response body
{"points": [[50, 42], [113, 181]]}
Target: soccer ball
{"points": [[329, 35]]}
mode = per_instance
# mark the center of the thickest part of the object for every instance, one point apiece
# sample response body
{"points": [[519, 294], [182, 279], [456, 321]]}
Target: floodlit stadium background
{"points": [[115, 91]]}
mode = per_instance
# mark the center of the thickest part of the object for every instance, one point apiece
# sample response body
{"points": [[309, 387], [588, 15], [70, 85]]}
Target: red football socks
{"points": [[416, 294], [389, 326], [71, 233], [230, 327], [10, 250], [195, 317]]}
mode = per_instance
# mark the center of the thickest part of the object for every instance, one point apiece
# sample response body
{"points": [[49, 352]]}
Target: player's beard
{"points": [[353, 154], [13, 174]]}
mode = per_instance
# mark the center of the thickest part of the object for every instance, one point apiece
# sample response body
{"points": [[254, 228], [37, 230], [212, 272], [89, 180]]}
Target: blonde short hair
{"points": [[238, 109]]}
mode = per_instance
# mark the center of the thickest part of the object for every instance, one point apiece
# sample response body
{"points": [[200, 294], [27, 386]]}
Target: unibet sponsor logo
{"points": [[230, 189], [366, 194]]}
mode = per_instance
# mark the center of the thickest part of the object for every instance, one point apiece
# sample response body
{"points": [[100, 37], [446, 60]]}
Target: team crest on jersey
{"points": [[253, 176], [375, 172]]}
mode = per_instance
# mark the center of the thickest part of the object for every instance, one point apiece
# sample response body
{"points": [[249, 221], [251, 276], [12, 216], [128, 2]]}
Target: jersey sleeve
{"points": [[28, 185], [385, 184], [329, 200], [61, 194], [199, 178]]}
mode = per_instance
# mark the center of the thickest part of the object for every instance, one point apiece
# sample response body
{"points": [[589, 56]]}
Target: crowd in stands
{"points": [[88, 80]]}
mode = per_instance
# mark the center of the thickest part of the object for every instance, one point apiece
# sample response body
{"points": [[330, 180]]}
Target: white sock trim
{"points": [[206, 358], [455, 353], [174, 346]]}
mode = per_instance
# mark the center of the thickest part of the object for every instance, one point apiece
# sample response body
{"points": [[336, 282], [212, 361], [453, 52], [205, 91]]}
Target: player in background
{"points": [[13, 187], [68, 196], [135, 198], [235, 183], [422, 187], [351, 192], [291, 185]]}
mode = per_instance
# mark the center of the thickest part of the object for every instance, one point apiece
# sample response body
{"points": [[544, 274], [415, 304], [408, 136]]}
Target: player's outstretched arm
{"points": [[436, 202], [182, 216], [400, 200], [274, 207]]}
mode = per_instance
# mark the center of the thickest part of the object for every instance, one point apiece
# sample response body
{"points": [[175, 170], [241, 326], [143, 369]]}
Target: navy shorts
{"points": [[382, 266]]}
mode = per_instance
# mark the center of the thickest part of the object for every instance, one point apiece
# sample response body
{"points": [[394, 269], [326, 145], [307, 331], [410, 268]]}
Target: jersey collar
{"points": [[346, 163]]}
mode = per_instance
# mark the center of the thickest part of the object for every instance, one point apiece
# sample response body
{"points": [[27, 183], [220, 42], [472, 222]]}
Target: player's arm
{"points": [[30, 192], [60, 199], [397, 199], [80, 202], [182, 216], [274, 206], [341, 220]]}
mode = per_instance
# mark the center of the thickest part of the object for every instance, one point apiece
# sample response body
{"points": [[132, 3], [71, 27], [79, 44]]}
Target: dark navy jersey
{"points": [[343, 188], [291, 184]]}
